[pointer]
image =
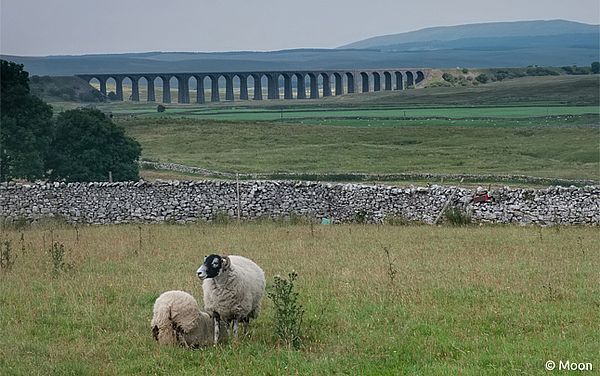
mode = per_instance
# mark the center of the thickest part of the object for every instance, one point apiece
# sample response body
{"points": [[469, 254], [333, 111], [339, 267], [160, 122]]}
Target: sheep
{"points": [[177, 320], [233, 287]]}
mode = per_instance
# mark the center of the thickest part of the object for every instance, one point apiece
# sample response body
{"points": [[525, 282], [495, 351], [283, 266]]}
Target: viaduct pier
{"points": [[296, 84]]}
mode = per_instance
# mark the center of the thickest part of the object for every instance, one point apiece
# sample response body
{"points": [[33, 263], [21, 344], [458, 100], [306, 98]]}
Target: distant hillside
{"points": [[502, 44], [68, 88], [493, 31]]}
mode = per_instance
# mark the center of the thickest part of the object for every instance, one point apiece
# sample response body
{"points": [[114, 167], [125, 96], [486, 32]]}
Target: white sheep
{"points": [[233, 288], [178, 320]]}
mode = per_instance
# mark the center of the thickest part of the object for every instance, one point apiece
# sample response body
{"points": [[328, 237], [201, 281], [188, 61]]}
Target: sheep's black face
{"points": [[211, 267]]}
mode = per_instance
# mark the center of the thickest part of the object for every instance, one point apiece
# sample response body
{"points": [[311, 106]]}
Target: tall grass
{"points": [[464, 300]]}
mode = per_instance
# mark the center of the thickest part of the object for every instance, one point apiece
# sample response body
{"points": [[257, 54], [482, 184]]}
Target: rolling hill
{"points": [[501, 44]]}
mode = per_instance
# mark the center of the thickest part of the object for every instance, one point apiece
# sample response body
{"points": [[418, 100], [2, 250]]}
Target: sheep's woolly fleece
{"points": [[177, 320], [235, 293]]}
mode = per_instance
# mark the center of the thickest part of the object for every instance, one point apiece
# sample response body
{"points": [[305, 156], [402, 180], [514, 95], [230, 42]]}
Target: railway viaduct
{"points": [[295, 84]]}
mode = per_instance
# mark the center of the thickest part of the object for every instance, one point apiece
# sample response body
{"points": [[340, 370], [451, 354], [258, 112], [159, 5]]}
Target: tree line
{"points": [[74, 145]]}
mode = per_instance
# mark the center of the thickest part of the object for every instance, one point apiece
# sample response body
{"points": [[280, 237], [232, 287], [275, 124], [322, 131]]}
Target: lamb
{"points": [[177, 320], [233, 288]]}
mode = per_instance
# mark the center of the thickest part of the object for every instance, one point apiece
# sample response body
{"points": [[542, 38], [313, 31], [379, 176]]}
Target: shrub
{"points": [[91, 96], [482, 78], [595, 67], [465, 70], [457, 217], [288, 311], [111, 96], [540, 71], [448, 77], [161, 108], [575, 70], [7, 256], [360, 217], [396, 220], [222, 218], [57, 253]]}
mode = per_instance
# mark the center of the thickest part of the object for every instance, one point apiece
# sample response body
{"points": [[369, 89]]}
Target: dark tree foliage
{"points": [[483, 78], [26, 126], [88, 145], [595, 67]]}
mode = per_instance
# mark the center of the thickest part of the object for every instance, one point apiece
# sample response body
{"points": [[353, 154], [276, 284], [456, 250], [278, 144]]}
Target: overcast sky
{"points": [[53, 27]]}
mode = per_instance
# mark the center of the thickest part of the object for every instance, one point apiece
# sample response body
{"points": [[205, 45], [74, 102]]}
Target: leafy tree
{"points": [[483, 78], [88, 145], [26, 126], [448, 77], [595, 67]]}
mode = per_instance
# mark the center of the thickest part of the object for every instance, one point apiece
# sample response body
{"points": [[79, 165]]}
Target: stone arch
{"points": [[127, 83], [192, 88], [351, 83], [399, 80], [420, 77], [387, 78], [376, 81], [142, 83], [365, 84], [157, 82], [111, 87], [410, 79], [338, 81], [325, 80], [94, 82]]}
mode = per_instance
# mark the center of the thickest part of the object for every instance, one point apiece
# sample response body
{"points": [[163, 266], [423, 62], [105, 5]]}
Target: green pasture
{"points": [[537, 126], [267, 147], [491, 300]]}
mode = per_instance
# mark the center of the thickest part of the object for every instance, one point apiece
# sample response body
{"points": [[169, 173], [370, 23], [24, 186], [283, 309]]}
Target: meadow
{"points": [[491, 300], [537, 126], [267, 147]]}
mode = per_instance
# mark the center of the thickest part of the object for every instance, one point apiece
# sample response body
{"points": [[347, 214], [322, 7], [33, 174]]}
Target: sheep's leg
{"points": [[227, 324], [216, 322], [235, 328]]}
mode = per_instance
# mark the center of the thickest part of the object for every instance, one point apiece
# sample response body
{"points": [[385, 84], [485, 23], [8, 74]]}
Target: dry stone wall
{"points": [[178, 201]]}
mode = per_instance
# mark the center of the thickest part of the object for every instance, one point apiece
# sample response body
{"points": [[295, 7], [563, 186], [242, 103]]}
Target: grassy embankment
{"points": [[470, 301]]}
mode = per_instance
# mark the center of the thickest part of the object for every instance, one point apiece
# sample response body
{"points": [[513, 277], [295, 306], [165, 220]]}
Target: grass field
{"points": [[470, 301], [550, 151], [538, 126]]}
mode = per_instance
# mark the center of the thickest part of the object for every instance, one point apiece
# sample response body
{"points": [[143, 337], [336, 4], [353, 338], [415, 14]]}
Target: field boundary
{"points": [[189, 201], [359, 177]]}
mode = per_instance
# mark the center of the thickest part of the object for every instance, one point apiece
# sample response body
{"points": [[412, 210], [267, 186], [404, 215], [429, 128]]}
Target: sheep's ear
{"points": [[225, 263]]}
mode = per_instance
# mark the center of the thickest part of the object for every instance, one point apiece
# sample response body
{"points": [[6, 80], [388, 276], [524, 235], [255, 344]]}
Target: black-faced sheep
{"points": [[178, 320], [233, 288]]}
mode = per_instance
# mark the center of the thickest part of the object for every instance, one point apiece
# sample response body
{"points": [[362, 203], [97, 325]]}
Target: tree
{"points": [[26, 126], [448, 77], [88, 145], [595, 67], [483, 78]]}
